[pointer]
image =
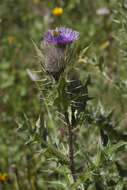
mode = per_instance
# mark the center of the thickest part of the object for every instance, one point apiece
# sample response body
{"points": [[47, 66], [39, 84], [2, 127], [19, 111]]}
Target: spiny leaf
{"points": [[113, 148], [83, 178], [57, 153], [83, 52], [101, 63], [61, 100]]}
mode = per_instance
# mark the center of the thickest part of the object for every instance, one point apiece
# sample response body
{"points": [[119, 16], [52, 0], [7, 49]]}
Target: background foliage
{"points": [[33, 157]]}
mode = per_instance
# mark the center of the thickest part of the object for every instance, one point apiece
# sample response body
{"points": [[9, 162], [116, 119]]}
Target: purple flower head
{"points": [[61, 35]]}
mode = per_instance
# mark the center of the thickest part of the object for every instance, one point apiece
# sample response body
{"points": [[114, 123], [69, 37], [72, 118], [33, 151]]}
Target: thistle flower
{"points": [[61, 35], [54, 46]]}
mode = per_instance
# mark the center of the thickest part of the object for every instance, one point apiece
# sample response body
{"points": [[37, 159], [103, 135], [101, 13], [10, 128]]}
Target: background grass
{"points": [[22, 22]]}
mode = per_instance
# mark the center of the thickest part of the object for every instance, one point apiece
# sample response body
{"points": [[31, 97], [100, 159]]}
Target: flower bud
{"points": [[54, 47], [54, 58]]}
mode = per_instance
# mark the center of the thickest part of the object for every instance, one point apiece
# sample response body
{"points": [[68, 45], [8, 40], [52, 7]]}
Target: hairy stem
{"points": [[70, 142]]}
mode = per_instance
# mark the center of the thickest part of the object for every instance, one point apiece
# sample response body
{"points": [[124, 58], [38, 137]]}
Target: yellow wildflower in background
{"points": [[10, 39], [36, 1], [57, 11], [104, 45], [3, 177]]}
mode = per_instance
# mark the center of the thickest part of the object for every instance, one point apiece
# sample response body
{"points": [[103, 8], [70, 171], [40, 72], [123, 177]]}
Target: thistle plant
{"points": [[78, 140], [56, 45]]}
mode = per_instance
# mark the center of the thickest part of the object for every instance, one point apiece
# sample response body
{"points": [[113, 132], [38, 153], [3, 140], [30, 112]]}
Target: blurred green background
{"points": [[102, 25]]}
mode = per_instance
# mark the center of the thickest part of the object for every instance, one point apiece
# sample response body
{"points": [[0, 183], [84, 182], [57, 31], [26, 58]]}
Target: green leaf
{"points": [[75, 185], [119, 186], [38, 125], [113, 148], [100, 157], [82, 180], [55, 152], [61, 100], [101, 63], [83, 52]]}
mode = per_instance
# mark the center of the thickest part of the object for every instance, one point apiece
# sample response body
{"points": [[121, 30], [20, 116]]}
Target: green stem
{"points": [[70, 142]]}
